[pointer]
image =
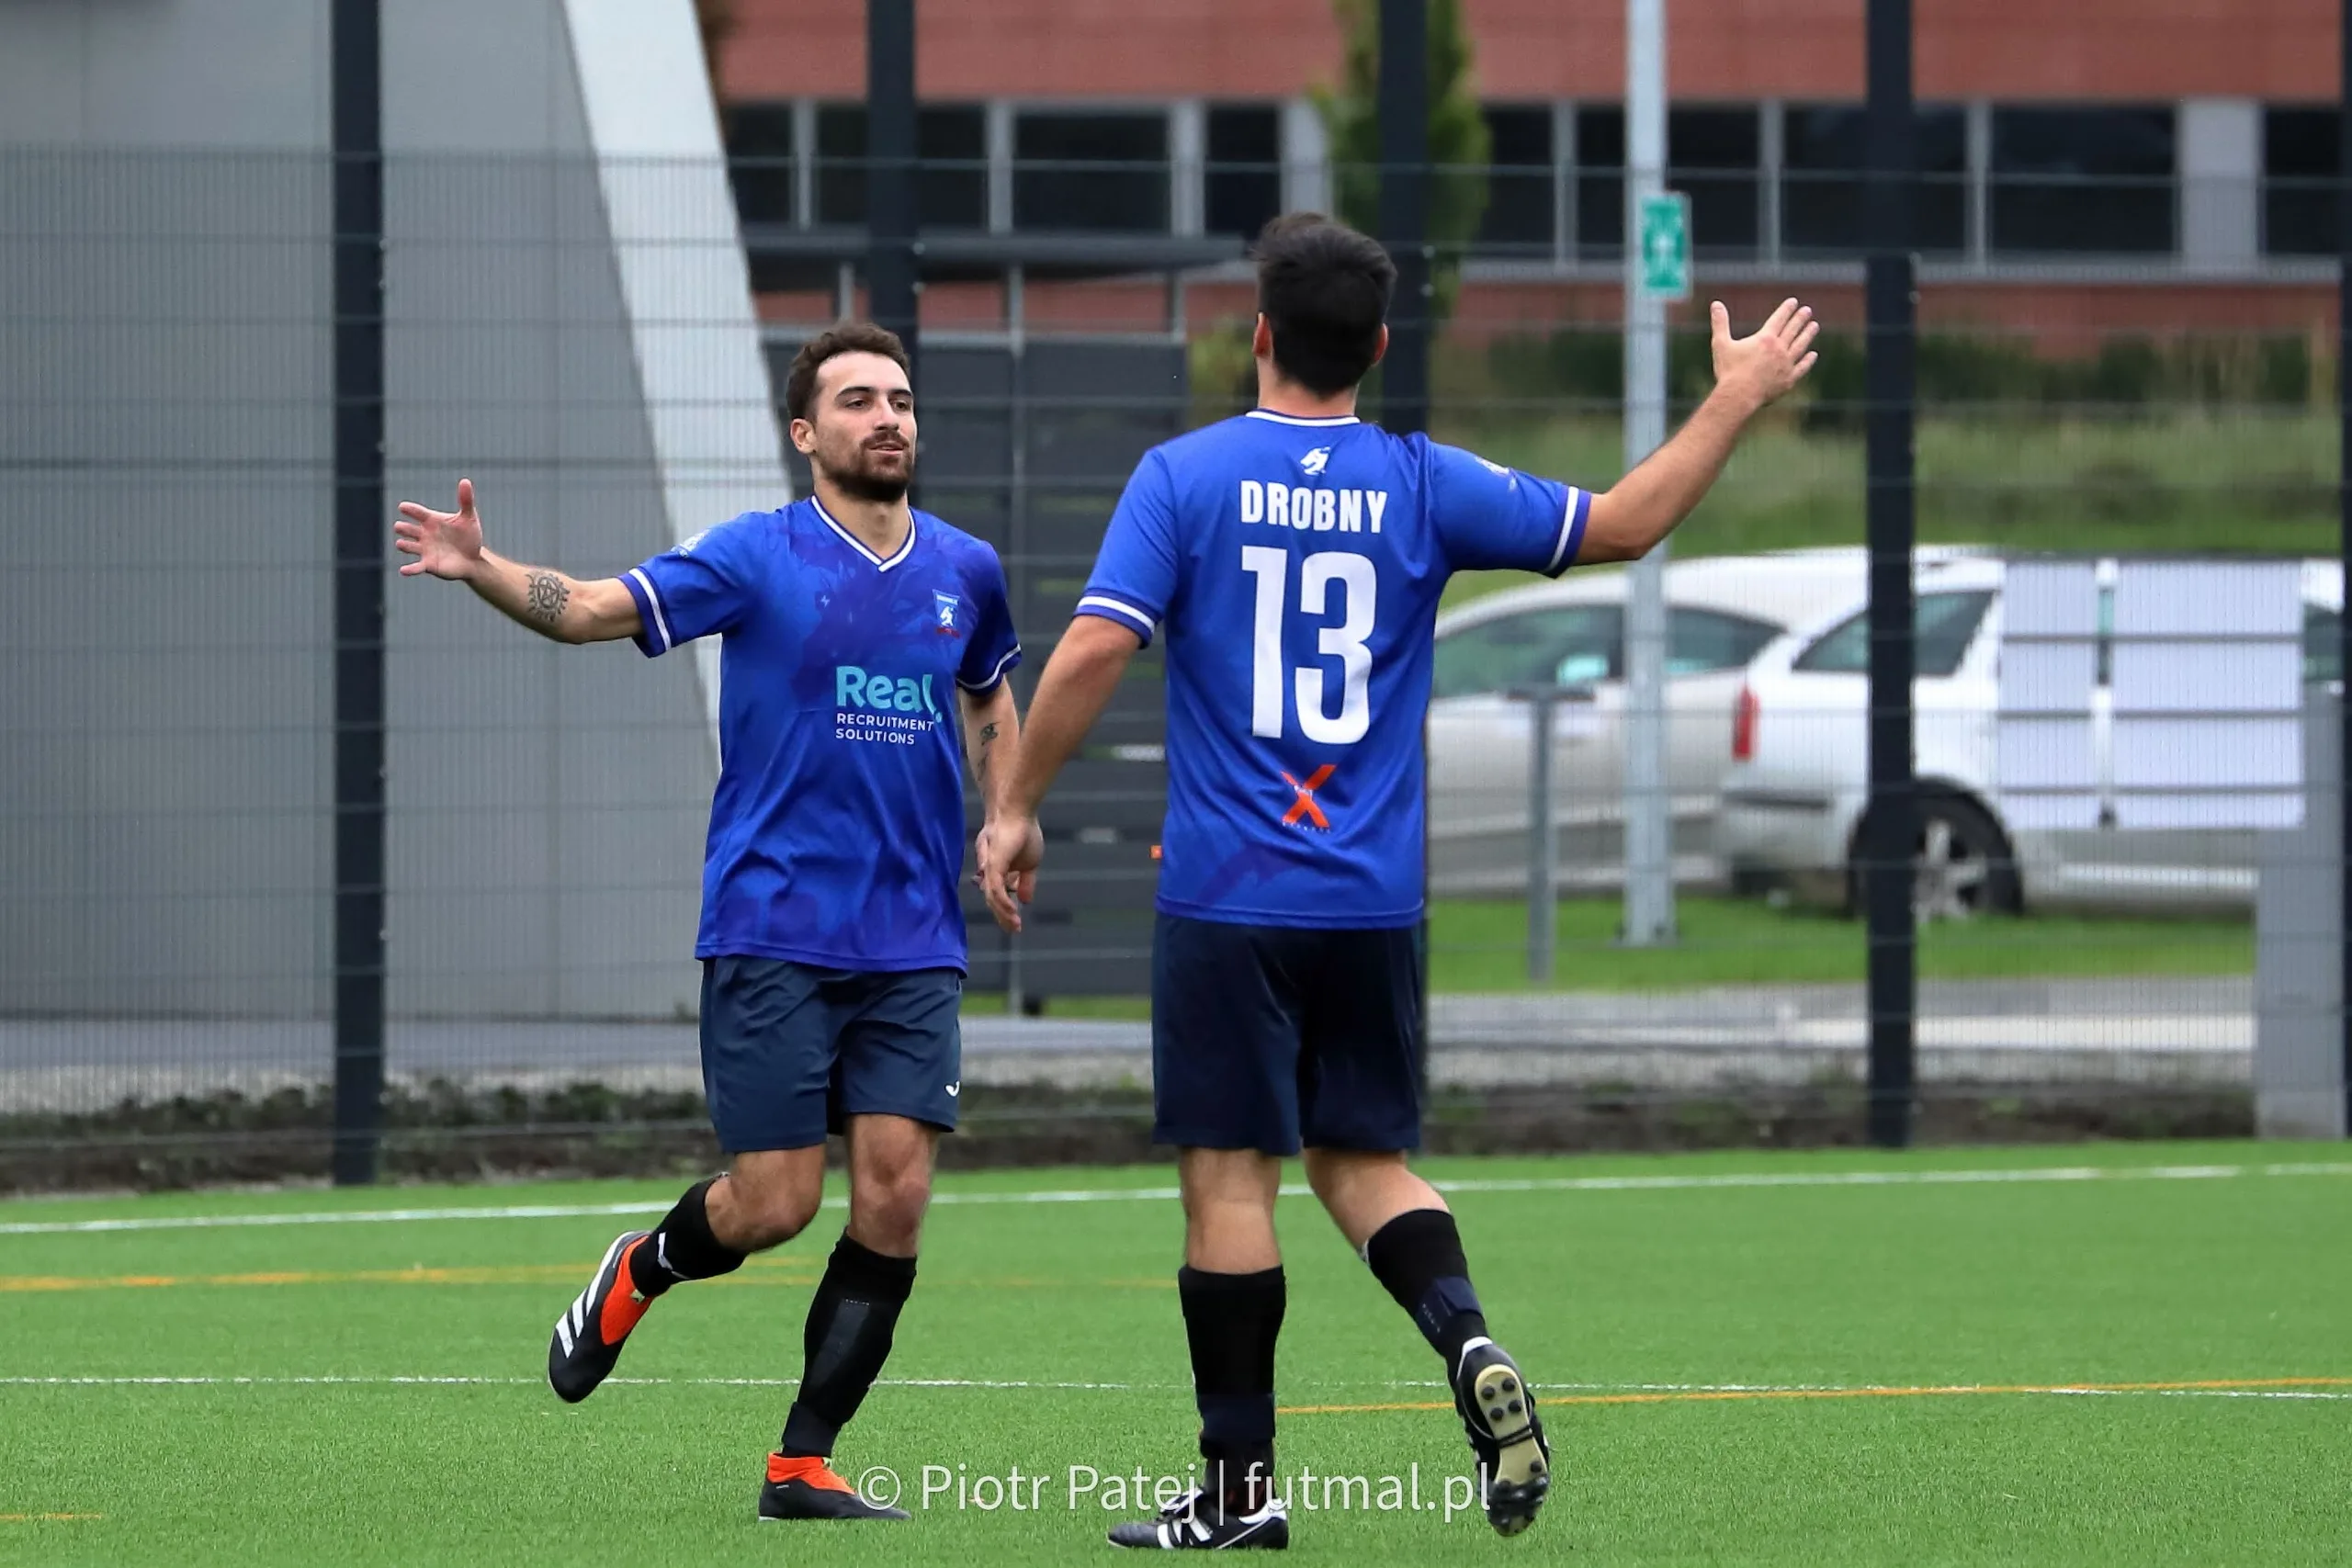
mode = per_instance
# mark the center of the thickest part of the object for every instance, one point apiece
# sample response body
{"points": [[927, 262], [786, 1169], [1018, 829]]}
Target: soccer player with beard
{"points": [[832, 940]]}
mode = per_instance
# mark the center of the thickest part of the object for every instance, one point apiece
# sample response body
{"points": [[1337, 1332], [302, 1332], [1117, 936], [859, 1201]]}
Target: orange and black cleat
{"points": [[806, 1488], [588, 1337]]}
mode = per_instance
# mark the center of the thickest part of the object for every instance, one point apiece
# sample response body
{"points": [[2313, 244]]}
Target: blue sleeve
{"points": [[994, 648], [1492, 517], [1134, 574], [699, 588]]}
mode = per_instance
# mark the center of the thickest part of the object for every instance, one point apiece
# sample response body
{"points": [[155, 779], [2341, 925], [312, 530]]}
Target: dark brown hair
{"points": [[1324, 290], [849, 337]]}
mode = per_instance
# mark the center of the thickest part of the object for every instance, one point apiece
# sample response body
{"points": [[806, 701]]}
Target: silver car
{"points": [[1792, 801], [1722, 610]]}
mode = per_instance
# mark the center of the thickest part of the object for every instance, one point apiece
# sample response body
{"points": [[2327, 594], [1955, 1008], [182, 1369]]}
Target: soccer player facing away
{"points": [[832, 940], [1293, 557]]}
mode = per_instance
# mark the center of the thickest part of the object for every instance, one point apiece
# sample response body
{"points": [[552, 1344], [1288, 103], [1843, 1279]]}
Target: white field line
{"points": [[994, 1384], [1167, 1194]]}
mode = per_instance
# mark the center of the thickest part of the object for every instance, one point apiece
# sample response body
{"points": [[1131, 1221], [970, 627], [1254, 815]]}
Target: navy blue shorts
{"points": [[1268, 1037], [789, 1050]]}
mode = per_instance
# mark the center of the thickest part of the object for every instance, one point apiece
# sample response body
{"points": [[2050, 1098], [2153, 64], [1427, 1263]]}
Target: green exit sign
{"points": [[1666, 246]]}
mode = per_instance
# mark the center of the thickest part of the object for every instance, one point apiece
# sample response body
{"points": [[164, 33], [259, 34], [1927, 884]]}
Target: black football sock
{"points": [[846, 1340], [1417, 1255], [682, 1247], [1231, 1321]]}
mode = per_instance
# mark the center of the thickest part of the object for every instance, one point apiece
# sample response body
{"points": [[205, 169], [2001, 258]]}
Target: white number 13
{"points": [[1359, 588]]}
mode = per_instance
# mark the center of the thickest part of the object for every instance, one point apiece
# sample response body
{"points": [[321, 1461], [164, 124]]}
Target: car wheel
{"points": [[1961, 864]]}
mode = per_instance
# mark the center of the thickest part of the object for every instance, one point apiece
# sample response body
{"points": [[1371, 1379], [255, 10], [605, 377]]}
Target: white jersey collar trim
{"points": [[1271, 417], [905, 549]]}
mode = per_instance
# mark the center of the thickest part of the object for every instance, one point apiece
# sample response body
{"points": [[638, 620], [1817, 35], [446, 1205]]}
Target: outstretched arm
{"points": [[1750, 374], [558, 606], [1071, 694]]}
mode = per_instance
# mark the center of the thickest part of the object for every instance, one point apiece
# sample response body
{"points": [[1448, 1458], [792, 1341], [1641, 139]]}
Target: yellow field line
{"points": [[1718, 1395], [759, 1271], [794, 1272]]}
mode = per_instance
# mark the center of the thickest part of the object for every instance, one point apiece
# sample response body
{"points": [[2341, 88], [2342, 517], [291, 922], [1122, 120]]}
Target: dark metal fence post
{"points": [[2344, 505], [1891, 828], [890, 146], [359, 567], [1403, 106]]}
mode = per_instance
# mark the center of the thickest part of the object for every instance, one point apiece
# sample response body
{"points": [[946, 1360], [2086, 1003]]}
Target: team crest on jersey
{"points": [[946, 603], [1315, 462]]}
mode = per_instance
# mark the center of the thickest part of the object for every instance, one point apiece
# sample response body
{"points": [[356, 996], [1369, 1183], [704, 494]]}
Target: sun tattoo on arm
{"points": [[545, 595]]}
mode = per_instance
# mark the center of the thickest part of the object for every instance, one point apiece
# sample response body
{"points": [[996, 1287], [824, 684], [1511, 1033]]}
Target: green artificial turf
{"points": [[1481, 945], [1701, 1342]]}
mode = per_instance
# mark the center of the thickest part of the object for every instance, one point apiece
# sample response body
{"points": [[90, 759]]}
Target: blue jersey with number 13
{"points": [[1294, 567]]}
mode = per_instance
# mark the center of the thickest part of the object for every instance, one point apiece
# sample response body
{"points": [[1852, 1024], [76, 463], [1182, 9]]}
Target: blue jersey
{"points": [[1294, 566], [837, 828]]}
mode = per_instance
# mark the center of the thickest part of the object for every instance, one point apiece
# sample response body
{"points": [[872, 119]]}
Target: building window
{"points": [[2301, 164], [758, 161], [1090, 170], [1242, 187], [1517, 221], [2084, 180], [951, 185], [1712, 154], [1821, 181], [1600, 184]]}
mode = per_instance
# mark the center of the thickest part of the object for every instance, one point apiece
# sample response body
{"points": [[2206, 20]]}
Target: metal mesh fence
{"points": [[2131, 369]]}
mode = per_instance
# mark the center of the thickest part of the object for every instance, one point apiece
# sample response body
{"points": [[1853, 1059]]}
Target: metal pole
{"points": [[890, 217], [2344, 505], [1891, 823], [1543, 838], [1649, 827], [358, 262], [1403, 108], [1016, 512]]}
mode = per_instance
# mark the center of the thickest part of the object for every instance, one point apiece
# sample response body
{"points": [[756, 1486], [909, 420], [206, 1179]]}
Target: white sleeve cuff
{"points": [[1105, 605]]}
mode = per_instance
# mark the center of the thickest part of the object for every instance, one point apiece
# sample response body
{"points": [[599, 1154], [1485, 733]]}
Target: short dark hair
{"points": [[1325, 291], [849, 337]]}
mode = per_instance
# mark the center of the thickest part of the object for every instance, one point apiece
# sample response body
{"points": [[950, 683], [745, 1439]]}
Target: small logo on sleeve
{"points": [[948, 604]]}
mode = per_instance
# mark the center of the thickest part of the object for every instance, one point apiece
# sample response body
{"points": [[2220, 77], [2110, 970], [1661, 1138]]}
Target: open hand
{"points": [[1009, 849], [1761, 367], [446, 544]]}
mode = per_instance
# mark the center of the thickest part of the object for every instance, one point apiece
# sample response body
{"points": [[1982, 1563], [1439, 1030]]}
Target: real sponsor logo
{"points": [[896, 710]]}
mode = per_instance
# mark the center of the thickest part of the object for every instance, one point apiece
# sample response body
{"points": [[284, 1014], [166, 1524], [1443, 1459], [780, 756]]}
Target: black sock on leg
{"points": [[1231, 1322], [846, 1340], [1417, 1255], [683, 1247]]}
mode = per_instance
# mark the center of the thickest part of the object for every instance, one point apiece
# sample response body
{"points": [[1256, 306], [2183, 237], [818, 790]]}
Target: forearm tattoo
{"points": [[545, 593], [981, 756]]}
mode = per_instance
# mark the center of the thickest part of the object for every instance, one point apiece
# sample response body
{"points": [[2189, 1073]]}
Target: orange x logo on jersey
{"points": [[1303, 808]]}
